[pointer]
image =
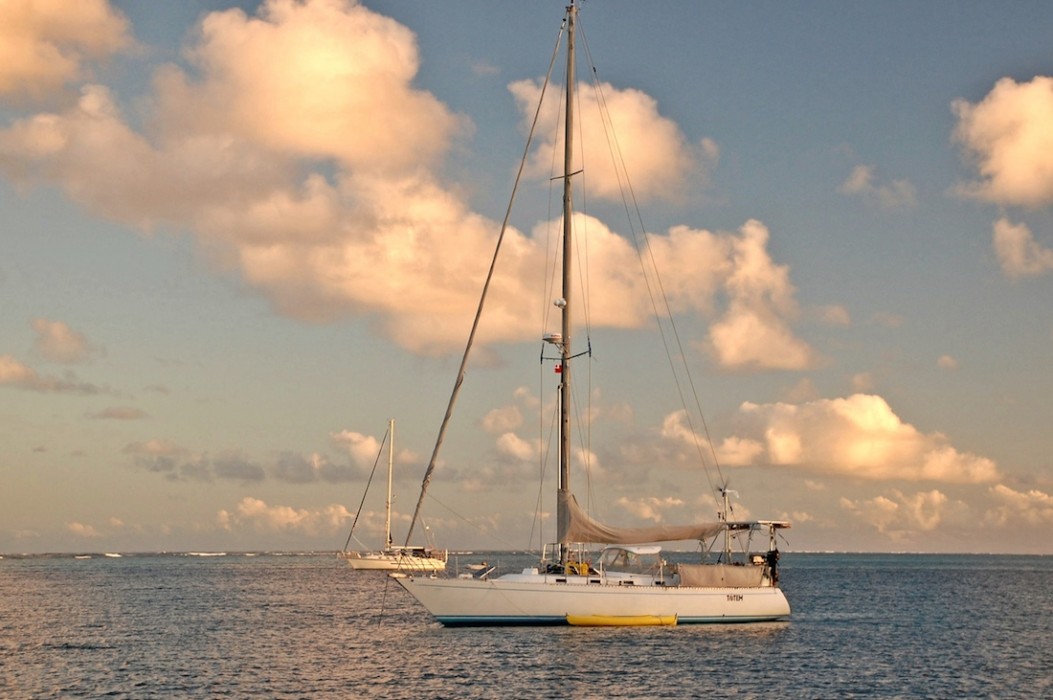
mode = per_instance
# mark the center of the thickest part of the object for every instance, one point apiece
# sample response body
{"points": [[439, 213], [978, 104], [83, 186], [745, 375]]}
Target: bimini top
{"points": [[757, 524]]}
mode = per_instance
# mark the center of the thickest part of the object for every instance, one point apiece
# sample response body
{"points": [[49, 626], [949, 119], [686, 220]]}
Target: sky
{"points": [[238, 238]]}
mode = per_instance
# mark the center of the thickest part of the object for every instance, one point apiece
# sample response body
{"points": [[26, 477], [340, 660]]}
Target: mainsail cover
{"points": [[579, 527]]}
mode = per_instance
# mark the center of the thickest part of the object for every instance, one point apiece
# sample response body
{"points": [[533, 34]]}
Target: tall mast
{"points": [[568, 211], [391, 459]]}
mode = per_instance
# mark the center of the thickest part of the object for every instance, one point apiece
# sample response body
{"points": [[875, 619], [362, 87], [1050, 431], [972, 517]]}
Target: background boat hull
{"points": [[396, 564]]}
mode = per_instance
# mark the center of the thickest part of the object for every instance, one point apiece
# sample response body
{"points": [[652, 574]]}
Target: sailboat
{"points": [[628, 582], [393, 557]]}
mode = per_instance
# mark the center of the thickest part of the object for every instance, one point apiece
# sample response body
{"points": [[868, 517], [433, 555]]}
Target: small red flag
{"points": [[559, 369]]}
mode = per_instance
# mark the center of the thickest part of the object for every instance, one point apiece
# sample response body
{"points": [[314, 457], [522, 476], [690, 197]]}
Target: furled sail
{"points": [[581, 528]]}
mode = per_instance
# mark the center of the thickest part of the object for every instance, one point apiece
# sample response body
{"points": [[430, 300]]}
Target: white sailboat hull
{"points": [[548, 600]]}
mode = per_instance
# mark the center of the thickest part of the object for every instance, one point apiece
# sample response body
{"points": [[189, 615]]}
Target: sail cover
{"points": [[579, 527]]}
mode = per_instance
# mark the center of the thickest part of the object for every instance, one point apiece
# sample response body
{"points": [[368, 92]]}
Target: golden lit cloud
{"points": [[500, 420], [107, 167], [1018, 252], [736, 451], [57, 342], [1008, 138], [895, 195], [155, 448], [658, 155], [858, 436], [1033, 507], [18, 375], [754, 332], [318, 79], [303, 160], [15, 373], [515, 447], [257, 515], [651, 509], [82, 530], [45, 44], [902, 514], [363, 449]]}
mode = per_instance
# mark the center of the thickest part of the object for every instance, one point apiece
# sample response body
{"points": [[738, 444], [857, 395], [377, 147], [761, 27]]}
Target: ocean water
{"points": [[306, 626]]}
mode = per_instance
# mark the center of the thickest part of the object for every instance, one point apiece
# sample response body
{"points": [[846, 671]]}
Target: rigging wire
{"points": [[462, 371], [504, 544], [584, 279], [629, 195], [383, 601], [544, 453], [380, 452]]}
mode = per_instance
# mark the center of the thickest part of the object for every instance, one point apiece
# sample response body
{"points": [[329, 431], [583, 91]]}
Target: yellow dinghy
{"points": [[621, 620]]}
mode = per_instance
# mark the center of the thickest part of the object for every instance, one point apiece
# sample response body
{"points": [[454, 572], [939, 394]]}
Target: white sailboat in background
{"points": [[393, 557], [628, 582]]}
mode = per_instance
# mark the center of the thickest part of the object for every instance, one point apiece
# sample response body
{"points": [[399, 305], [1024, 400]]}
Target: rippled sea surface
{"points": [[306, 626]]}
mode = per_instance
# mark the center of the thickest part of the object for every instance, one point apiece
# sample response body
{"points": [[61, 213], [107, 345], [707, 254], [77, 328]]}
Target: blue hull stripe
{"points": [[517, 621]]}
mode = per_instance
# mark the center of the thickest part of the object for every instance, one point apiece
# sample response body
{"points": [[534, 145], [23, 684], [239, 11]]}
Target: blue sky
{"points": [[238, 238]]}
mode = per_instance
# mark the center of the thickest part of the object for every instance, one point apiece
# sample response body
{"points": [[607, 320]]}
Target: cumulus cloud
{"points": [[834, 315], [298, 152], [82, 530], [364, 449], [177, 463], [902, 513], [658, 154], [737, 451], [180, 464], [1008, 138], [633, 452], [57, 342], [296, 468], [682, 443], [858, 436], [258, 515], [500, 420], [651, 509], [46, 44], [862, 382], [507, 473], [1033, 507], [754, 332], [895, 195], [726, 276], [18, 375], [512, 446], [1019, 254], [155, 448], [296, 64]]}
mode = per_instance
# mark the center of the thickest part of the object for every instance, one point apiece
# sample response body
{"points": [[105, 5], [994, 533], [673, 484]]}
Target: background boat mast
{"points": [[387, 505]]}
